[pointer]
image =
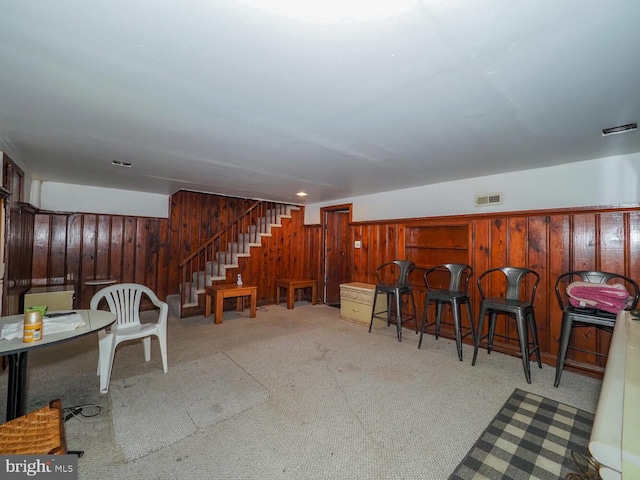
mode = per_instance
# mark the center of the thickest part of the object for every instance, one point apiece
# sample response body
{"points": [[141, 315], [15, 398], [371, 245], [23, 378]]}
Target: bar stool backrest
{"points": [[397, 271], [458, 273], [515, 279]]}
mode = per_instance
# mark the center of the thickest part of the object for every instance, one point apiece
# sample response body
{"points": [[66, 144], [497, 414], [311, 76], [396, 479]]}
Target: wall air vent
{"points": [[488, 199]]}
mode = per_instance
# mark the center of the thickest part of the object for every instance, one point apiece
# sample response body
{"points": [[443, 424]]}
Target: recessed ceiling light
{"points": [[119, 163], [301, 194], [629, 127]]}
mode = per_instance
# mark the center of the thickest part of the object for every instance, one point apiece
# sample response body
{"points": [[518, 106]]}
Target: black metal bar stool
{"points": [[393, 281], [456, 276], [517, 302], [576, 316]]}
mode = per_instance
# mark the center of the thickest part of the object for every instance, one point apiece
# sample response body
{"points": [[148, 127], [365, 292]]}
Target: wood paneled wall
{"points": [[19, 245], [70, 248], [73, 248], [312, 244], [550, 242]]}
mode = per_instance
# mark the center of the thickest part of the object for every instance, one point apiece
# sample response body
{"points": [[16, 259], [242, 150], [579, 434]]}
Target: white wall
{"points": [[64, 197], [600, 182]]}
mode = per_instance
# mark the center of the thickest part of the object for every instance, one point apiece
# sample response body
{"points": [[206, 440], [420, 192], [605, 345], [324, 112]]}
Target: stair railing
{"points": [[223, 249]]}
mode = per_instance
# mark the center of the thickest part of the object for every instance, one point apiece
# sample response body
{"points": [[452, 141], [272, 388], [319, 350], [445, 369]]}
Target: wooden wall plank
{"points": [[174, 243], [42, 243], [538, 260], [559, 262], [632, 246], [102, 263], [116, 251], [584, 241], [611, 247], [163, 264], [58, 268], [129, 250], [74, 248], [585, 238], [88, 254]]}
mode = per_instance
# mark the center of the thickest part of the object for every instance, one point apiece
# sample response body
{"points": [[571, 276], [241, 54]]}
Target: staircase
{"points": [[216, 259]]}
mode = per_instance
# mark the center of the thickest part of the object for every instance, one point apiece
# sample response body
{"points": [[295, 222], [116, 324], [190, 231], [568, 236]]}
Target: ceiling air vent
{"points": [[629, 127], [488, 199]]}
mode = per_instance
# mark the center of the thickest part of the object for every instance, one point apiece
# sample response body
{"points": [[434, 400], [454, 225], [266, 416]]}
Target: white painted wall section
{"points": [[64, 197], [600, 182]]}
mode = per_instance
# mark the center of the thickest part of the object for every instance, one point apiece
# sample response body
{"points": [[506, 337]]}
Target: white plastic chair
{"points": [[123, 300]]}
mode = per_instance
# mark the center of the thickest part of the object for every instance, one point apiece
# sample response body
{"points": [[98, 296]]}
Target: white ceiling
{"points": [[226, 96]]}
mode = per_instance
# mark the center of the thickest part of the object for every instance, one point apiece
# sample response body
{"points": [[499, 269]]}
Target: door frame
{"points": [[324, 212]]}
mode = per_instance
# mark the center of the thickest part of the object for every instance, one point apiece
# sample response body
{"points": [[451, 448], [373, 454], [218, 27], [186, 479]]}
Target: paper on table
{"points": [[63, 323]]}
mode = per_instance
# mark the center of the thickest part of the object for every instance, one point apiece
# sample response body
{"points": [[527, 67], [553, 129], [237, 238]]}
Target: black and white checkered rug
{"points": [[531, 437]]}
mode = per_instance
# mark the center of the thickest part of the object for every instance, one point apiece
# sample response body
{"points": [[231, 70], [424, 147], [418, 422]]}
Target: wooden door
{"points": [[336, 251]]}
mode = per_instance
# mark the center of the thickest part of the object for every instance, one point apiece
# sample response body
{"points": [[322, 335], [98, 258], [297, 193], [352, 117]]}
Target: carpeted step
{"points": [[173, 301]]}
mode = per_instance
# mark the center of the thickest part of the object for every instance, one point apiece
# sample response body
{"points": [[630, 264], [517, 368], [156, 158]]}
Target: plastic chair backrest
{"points": [[515, 276], [594, 276], [123, 300], [459, 275], [402, 269]]}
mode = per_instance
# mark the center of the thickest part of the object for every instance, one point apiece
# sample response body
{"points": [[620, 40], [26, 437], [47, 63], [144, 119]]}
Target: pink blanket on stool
{"points": [[608, 297]]}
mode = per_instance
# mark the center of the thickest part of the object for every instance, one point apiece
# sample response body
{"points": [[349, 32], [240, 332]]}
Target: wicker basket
{"points": [[40, 432]]}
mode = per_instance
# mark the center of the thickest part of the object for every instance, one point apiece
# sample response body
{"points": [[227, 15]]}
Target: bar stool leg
{"points": [[565, 336], [424, 319], [521, 324], [534, 336], [389, 307], [478, 334], [438, 316], [455, 310], [373, 308], [470, 318], [415, 312], [492, 330], [399, 314]]}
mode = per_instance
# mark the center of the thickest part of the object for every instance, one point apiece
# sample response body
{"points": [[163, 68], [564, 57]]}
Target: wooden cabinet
{"points": [[356, 300]]}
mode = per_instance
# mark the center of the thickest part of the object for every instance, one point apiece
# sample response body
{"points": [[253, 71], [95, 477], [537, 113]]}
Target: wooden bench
{"points": [[292, 284]]}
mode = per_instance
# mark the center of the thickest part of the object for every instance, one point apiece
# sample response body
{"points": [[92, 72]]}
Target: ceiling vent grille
{"points": [[488, 199], [629, 127]]}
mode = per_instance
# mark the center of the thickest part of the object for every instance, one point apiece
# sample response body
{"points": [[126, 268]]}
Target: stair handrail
{"points": [[191, 286], [218, 234]]}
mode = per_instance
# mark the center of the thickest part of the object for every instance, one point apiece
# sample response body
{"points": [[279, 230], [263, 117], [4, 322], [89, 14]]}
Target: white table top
{"points": [[94, 320], [615, 436]]}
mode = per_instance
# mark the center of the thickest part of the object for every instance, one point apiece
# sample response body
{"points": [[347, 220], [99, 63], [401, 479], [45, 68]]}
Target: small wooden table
{"points": [[220, 292], [291, 284]]}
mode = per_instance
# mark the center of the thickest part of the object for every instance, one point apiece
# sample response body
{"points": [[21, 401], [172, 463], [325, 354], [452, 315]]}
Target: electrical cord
{"points": [[79, 411]]}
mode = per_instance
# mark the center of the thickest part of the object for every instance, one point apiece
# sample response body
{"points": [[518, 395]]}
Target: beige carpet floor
{"points": [[333, 401]]}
